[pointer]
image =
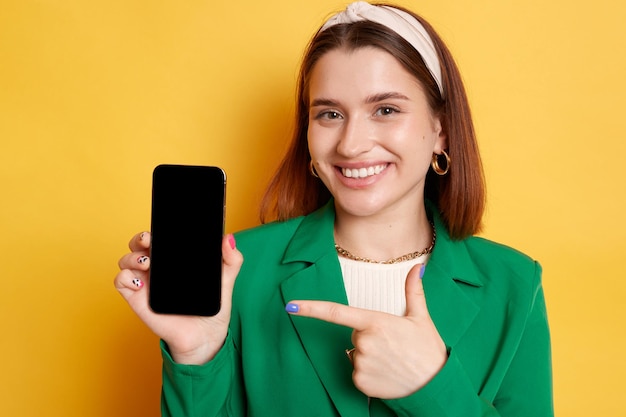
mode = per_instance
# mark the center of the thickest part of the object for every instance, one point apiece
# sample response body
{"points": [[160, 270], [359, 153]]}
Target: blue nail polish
{"points": [[422, 269], [292, 308]]}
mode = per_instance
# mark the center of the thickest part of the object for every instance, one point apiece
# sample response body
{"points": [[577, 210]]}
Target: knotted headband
{"points": [[400, 22]]}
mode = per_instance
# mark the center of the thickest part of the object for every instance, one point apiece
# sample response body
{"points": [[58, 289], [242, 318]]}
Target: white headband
{"points": [[400, 22]]}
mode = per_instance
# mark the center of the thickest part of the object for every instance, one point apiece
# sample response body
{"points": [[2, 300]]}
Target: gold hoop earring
{"points": [[435, 164], [312, 169]]}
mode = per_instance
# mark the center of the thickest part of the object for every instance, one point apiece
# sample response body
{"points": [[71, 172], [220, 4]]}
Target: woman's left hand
{"points": [[394, 356]]}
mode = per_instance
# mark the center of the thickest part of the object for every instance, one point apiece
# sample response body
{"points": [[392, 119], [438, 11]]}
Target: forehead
{"points": [[361, 71]]}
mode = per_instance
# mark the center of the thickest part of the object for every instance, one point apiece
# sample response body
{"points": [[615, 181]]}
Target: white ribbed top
{"points": [[377, 287]]}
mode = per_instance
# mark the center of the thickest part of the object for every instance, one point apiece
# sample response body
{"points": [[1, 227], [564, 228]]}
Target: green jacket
{"points": [[485, 299]]}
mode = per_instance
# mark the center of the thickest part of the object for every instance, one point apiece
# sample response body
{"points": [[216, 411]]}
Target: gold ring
{"points": [[350, 354]]}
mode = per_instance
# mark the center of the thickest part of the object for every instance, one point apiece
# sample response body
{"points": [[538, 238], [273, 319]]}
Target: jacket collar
{"points": [[450, 255], [449, 279], [314, 239], [449, 269]]}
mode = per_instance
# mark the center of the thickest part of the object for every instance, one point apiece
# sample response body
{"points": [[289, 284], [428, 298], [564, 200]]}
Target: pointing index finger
{"points": [[355, 318]]}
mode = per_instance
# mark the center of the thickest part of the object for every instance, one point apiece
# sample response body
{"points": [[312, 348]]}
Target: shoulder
{"points": [[504, 267], [271, 237], [493, 252], [268, 230], [478, 257], [303, 234]]}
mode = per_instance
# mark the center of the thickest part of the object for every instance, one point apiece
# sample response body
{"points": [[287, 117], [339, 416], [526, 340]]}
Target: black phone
{"points": [[188, 205]]}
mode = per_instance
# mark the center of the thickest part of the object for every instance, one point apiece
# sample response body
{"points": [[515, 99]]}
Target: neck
{"points": [[383, 237]]}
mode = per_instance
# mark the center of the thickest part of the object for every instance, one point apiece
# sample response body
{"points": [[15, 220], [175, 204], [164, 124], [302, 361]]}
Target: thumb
{"points": [[232, 261], [230, 254], [415, 297]]}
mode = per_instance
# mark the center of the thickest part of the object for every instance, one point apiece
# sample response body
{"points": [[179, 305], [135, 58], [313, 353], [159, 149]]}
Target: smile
{"points": [[363, 172]]}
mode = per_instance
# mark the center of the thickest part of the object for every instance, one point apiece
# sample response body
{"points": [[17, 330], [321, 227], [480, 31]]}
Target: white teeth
{"points": [[363, 172]]}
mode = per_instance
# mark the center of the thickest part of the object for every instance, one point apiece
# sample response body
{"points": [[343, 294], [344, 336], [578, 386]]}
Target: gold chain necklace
{"points": [[409, 256]]}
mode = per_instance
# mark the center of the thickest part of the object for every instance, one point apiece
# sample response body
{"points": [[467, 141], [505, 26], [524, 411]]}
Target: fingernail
{"points": [[142, 259], [292, 308], [231, 240], [138, 283], [141, 236], [422, 269]]}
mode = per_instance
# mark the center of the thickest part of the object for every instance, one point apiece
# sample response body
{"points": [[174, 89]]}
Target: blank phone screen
{"points": [[186, 248]]}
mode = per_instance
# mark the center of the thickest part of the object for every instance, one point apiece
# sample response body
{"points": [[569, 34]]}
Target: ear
{"points": [[441, 142]]}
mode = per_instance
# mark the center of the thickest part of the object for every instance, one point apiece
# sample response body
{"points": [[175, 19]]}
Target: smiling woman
{"points": [[371, 142], [459, 195], [373, 255]]}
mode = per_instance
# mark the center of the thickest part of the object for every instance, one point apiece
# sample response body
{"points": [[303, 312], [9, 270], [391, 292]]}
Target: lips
{"points": [[363, 172]]}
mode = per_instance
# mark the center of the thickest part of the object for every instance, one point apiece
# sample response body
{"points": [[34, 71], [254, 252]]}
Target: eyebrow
{"points": [[324, 102], [374, 98]]}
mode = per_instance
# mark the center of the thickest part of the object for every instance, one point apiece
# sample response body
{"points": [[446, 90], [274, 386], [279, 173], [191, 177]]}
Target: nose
{"points": [[355, 138]]}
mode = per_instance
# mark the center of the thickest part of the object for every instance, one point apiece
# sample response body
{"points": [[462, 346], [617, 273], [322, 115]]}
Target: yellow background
{"points": [[95, 93]]}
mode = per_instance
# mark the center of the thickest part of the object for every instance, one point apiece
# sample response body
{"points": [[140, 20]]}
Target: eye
{"points": [[386, 111], [329, 115]]}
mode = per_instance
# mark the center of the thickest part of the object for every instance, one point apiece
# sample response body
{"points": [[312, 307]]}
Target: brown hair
{"points": [[459, 195]]}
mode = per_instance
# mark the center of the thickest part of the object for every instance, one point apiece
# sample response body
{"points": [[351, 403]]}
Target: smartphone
{"points": [[188, 205]]}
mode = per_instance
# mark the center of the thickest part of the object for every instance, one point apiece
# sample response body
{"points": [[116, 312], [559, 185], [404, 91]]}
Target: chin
{"points": [[358, 207]]}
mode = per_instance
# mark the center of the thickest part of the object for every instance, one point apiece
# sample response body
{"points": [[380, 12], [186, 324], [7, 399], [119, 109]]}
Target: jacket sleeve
{"points": [[525, 389], [209, 390], [449, 393]]}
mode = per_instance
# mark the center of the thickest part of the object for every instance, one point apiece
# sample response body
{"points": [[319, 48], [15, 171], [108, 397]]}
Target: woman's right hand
{"points": [[191, 340]]}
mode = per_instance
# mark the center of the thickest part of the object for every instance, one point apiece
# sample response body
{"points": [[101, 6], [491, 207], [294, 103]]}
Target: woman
{"points": [[392, 306]]}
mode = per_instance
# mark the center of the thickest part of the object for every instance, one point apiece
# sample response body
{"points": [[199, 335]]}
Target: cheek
{"points": [[317, 143], [415, 147], [410, 138]]}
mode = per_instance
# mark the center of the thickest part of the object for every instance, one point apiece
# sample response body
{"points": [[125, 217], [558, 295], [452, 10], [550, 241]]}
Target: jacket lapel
{"points": [[321, 279], [450, 267]]}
